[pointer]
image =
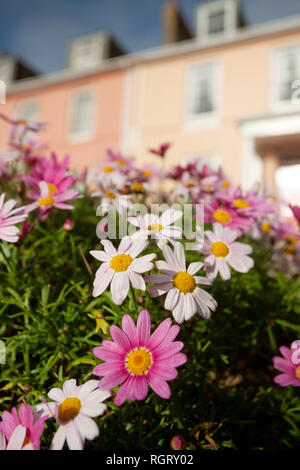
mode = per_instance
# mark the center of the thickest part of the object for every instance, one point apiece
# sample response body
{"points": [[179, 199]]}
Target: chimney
{"points": [[175, 28]]}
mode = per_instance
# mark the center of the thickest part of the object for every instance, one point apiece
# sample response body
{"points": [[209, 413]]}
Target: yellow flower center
{"points": [[137, 187], [290, 238], [191, 184], [265, 227], [138, 361], [46, 201], [241, 203], [184, 282], [147, 173], [121, 162], [22, 121], [69, 409], [120, 262], [298, 372], [290, 250], [110, 195], [207, 188], [26, 441], [219, 249], [107, 169], [156, 228], [225, 184], [52, 188], [222, 216]]}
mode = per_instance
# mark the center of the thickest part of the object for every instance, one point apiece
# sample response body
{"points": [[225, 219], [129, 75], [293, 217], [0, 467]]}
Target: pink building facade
{"points": [[84, 137], [229, 98]]}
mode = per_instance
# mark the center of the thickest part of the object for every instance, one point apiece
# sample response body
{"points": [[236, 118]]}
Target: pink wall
{"points": [[143, 105], [161, 86], [53, 107]]}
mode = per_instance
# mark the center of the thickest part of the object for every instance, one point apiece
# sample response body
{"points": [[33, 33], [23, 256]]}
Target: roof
{"points": [[192, 45]]}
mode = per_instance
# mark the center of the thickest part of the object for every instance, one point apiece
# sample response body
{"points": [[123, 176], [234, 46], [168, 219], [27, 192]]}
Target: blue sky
{"points": [[40, 31]]}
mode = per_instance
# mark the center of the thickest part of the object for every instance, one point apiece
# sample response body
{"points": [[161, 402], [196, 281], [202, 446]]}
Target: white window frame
{"points": [[30, 135], [275, 103], [193, 121], [84, 135], [230, 8], [21, 107]]}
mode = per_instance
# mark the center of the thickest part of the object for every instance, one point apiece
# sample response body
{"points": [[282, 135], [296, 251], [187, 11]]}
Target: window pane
{"points": [[81, 113], [202, 90], [28, 111], [287, 70], [216, 22]]}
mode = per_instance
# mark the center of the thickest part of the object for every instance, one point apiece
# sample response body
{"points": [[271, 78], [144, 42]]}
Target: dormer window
{"points": [[218, 17], [86, 52], [91, 50], [216, 22]]}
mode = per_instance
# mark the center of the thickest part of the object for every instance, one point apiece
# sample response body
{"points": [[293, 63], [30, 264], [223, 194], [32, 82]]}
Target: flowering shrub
{"points": [[156, 336]]}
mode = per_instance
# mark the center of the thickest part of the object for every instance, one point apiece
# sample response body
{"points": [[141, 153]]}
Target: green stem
{"points": [[132, 300]]}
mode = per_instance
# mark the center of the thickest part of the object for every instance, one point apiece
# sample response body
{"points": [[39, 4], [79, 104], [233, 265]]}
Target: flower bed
{"points": [[158, 337]]}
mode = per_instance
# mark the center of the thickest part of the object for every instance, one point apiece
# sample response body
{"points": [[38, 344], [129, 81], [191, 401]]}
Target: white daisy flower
{"points": [[73, 408], [184, 297], [160, 228], [222, 251], [121, 267]]}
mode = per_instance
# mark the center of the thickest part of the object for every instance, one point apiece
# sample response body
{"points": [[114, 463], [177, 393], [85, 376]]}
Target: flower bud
{"points": [[177, 443], [69, 225]]}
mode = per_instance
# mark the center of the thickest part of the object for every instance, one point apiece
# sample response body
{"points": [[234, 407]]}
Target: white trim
{"points": [[127, 144], [252, 165], [84, 136]]}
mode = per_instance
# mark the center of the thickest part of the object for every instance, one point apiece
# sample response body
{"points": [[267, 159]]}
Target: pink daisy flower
{"points": [[184, 297], [135, 359], [6, 167], [73, 408], [150, 173], [111, 200], [8, 218], [227, 216], [250, 204], [121, 267], [29, 419], [222, 251], [188, 187], [46, 200], [53, 172], [290, 371], [123, 163], [19, 127], [107, 173], [296, 212], [16, 441], [160, 228]]}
